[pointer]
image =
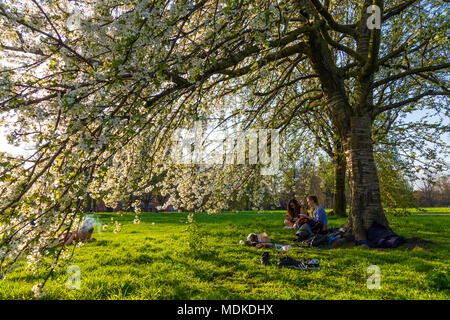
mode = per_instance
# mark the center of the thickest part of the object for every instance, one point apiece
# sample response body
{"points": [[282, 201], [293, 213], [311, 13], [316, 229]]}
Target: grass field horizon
{"points": [[163, 257]]}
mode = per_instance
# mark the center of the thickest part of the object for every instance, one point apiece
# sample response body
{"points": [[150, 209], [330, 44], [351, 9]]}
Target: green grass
{"points": [[165, 260], [435, 210], [431, 210]]}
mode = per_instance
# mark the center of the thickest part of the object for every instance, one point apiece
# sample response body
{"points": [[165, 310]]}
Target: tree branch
{"points": [[410, 72], [399, 104], [397, 9], [285, 52], [347, 29]]}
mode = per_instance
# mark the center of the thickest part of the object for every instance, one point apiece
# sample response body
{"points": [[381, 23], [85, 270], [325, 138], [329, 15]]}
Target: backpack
{"points": [[302, 221], [316, 226], [380, 236]]}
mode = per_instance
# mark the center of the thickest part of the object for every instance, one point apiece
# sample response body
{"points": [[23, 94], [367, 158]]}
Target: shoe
{"points": [[289, 262], [285, 261], [312, 264], [265, 258], [307, 264], [300, 265]]}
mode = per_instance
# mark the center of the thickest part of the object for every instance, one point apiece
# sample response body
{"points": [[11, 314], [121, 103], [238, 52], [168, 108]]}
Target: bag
{"points": [[263, 238], [252, 237], [316, 226], [392, 242], [380, 236], [317, 240], [301, 222]]}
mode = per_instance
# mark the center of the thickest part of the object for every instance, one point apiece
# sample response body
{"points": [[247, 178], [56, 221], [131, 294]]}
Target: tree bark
{"points": [[88, 203], [146, 201], [353, 124], [363, 179], [339, 201]]}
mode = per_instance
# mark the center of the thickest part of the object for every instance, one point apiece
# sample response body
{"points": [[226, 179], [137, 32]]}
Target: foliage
{"points": [[396, 191], [196, 237]]}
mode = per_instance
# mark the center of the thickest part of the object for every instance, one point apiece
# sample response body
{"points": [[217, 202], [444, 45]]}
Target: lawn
{"points": [[441, 210], [165, 258]]}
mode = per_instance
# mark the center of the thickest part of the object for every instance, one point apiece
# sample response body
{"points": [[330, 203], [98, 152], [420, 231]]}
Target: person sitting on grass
{"points": [[83, 233], [316, 223], [294, 211]]}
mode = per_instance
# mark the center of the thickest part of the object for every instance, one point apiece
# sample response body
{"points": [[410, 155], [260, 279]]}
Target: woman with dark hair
{"points": [[294, 211]]}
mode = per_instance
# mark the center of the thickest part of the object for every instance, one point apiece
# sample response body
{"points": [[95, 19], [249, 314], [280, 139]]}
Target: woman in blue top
{"points": [[318, 213]]}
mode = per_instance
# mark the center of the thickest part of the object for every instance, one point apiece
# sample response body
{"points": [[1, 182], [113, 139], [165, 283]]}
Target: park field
{"points": [[442, 210], [163, 257]]}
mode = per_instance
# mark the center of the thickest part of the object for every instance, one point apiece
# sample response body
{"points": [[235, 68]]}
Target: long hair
{"points": [[293, 212]]}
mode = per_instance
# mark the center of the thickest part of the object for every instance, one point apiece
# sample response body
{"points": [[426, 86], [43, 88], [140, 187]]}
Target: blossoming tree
{"points": [[99, 86]]}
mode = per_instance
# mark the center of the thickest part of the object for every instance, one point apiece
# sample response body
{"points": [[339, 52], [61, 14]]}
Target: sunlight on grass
{"points": [[161, 259]]}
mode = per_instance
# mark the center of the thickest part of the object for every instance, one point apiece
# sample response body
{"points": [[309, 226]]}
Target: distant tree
{"points": [[433, 191]]}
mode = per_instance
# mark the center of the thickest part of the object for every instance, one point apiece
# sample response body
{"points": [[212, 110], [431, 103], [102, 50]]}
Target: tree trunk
{"points": [[353, 126], [366, 205], [339, 202], [88, 203]]}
